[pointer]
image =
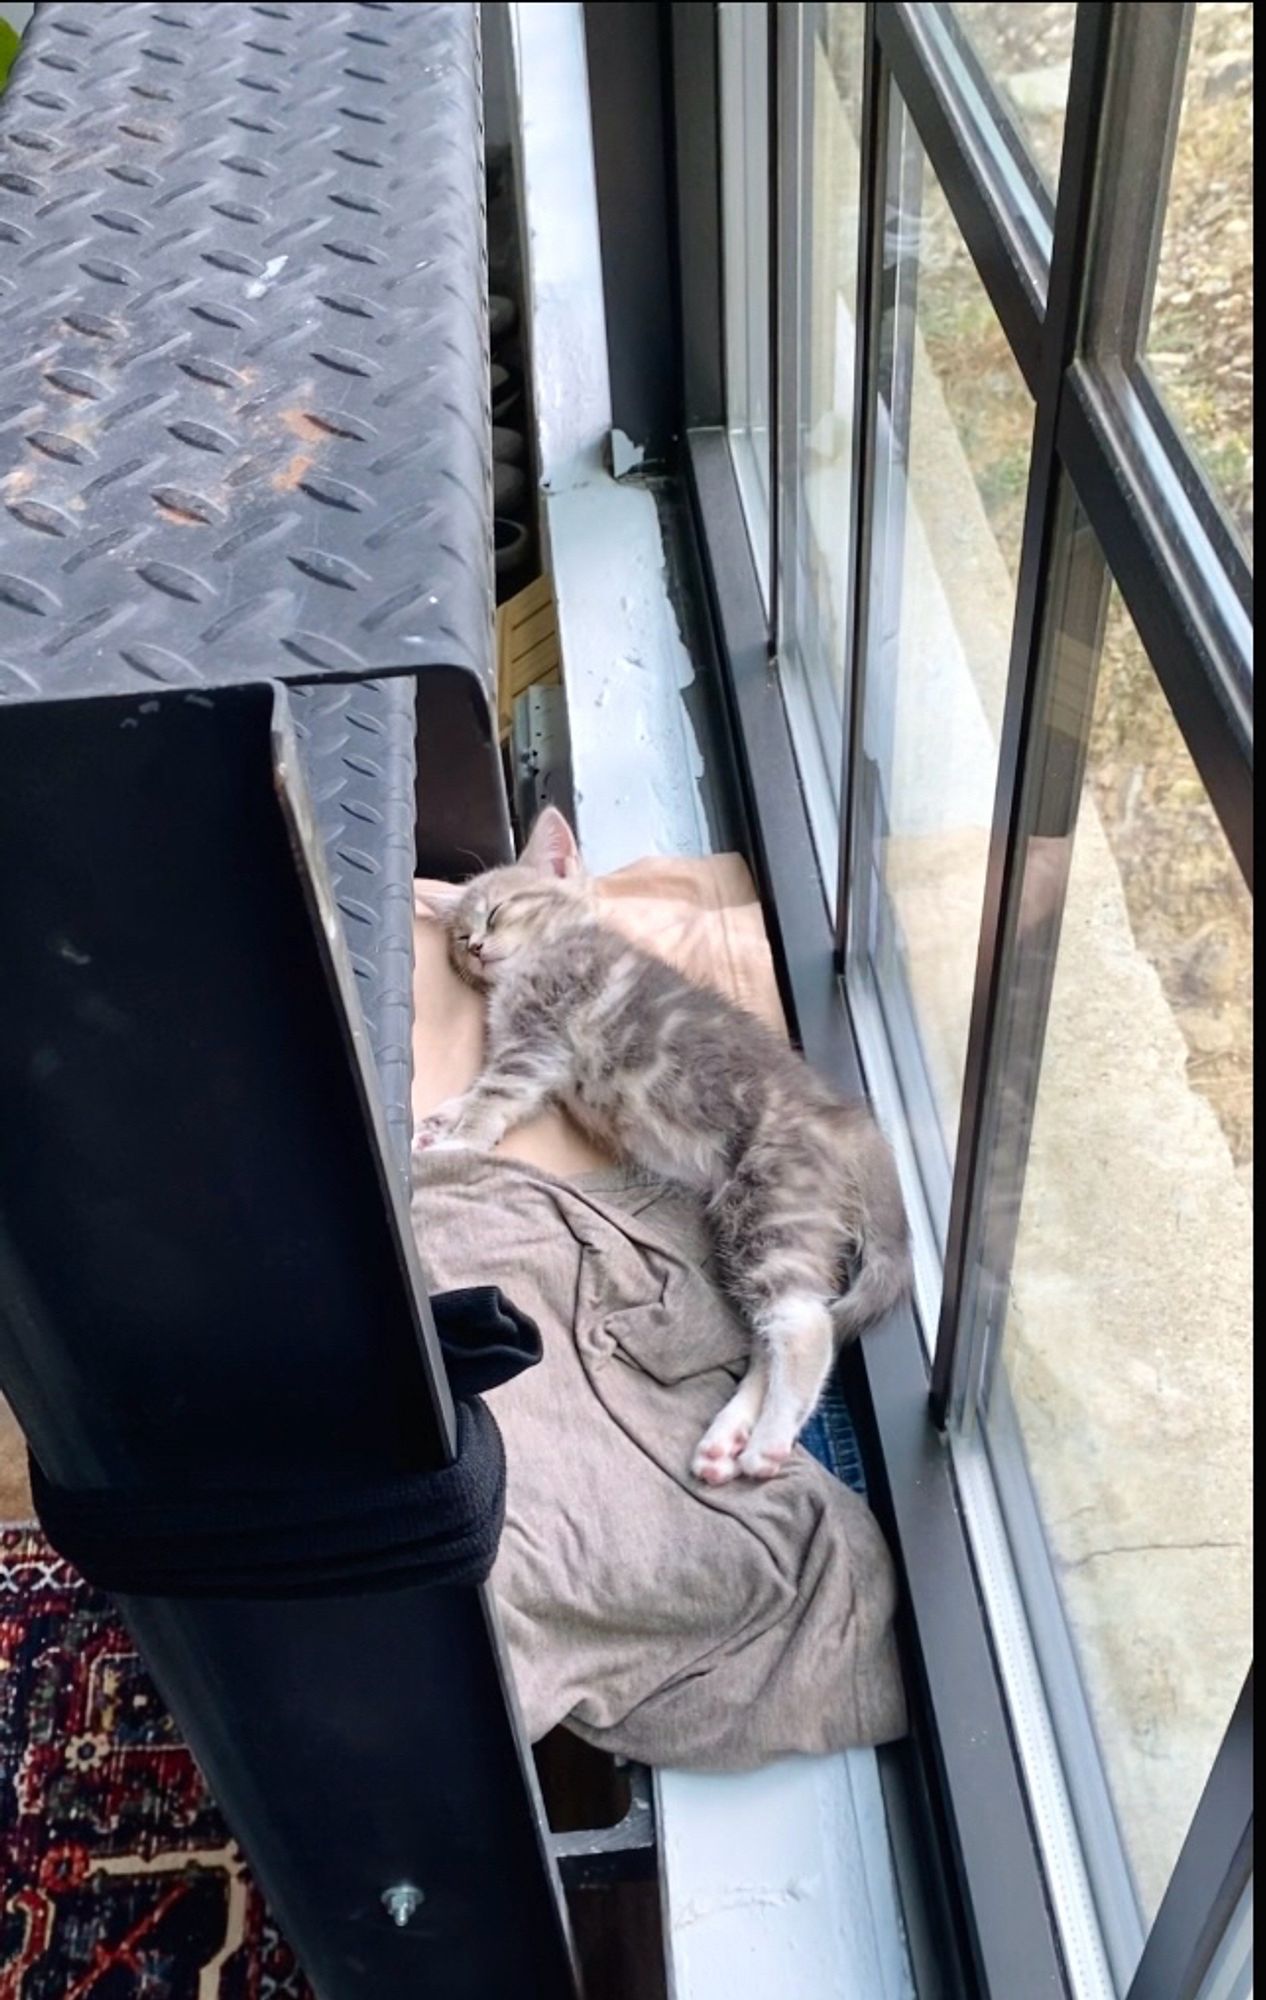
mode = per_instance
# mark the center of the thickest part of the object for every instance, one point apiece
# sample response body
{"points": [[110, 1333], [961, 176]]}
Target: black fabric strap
{"points": [[485, 1340], [421, 1528]]}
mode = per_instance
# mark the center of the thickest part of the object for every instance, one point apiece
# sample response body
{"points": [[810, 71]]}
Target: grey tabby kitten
{"points": [[801, 1189]]}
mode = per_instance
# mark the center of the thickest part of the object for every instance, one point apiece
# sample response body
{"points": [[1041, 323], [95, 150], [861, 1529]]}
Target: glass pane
{"points": [[1119, 1397], [744, 61], [1026, 51], [1200, 343], [829, 247], [816, 525], [953, 440]]}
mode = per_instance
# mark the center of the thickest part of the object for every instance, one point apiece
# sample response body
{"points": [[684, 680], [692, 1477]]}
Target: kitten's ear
{"points": [[435, 899], [551, 847]]}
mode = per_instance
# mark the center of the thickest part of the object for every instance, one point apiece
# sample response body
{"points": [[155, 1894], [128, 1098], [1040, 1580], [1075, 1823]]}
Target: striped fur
{"points": [[801, 1191]]}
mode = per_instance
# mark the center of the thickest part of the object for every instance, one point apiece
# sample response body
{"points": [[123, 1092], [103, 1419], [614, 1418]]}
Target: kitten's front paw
{"points": [[438, 1129]]}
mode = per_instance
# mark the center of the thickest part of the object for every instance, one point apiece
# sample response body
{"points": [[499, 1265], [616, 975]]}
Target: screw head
{"points": [[401, 1902]]}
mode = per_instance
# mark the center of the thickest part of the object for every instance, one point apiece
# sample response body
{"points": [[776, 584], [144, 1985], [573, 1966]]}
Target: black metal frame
{"points": [[628, 117], [1106, 458], [1213, 1869], [286, 1339]]}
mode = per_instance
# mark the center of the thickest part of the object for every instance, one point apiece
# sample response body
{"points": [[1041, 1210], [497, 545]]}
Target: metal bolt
{"points": [[401, 1902]]}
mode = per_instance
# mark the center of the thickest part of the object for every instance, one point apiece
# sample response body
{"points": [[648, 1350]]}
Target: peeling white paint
{"points": [[700, 1908], [625, 455], [632, 742], [780, 1882], [571, 383], [636, 764]]}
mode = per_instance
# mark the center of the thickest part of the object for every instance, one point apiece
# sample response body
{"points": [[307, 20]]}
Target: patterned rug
{"points": [[118, 1878]]}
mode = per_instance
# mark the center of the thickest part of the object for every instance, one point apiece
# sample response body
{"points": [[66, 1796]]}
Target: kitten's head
{"points": [[499, 918]]}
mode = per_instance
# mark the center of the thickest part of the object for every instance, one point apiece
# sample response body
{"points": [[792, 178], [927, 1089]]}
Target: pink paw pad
{"points": [[723, 1447], [765, 1463], [715, 1471], [715, 1459], [432, 1134]]}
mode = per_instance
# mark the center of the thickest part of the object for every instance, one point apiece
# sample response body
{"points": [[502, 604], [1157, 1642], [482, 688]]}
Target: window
{"points": [[1012, 448], [821, 208], [743, 28], [1200, 340], [1025, 51], [1114, 1392], [953, 428]]}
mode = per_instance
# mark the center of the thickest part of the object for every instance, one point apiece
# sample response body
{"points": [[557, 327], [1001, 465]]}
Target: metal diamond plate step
{"points": [[356, 743], [243, 408], [243, 347]]}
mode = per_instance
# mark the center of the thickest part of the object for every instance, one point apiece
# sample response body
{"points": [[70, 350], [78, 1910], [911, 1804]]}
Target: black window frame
{"points": [[1101, 429]]}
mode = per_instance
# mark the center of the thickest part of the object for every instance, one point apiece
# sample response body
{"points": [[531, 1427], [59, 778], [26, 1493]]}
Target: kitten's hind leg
{"points": [[794, 1331], [716, 1457]]}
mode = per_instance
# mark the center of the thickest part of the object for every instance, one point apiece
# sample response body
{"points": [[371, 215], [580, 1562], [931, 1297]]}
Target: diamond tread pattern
{"points": [[243, 347], [356, 743]]}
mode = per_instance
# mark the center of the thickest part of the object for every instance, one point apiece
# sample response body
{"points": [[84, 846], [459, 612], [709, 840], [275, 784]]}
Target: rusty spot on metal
{"points": [[301, 425], [290, 475]]}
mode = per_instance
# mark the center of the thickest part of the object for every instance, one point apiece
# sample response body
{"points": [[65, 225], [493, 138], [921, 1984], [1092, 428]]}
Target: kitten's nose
{"points": [[476, 947]]}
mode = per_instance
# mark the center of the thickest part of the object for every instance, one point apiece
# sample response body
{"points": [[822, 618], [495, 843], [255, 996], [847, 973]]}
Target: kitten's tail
{"points": [[882, 1272], [882, 1281]]}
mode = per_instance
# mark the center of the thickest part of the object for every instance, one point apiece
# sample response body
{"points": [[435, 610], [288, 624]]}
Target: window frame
{"points": [[747, 321], [1102, 427], [801, 654]]}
